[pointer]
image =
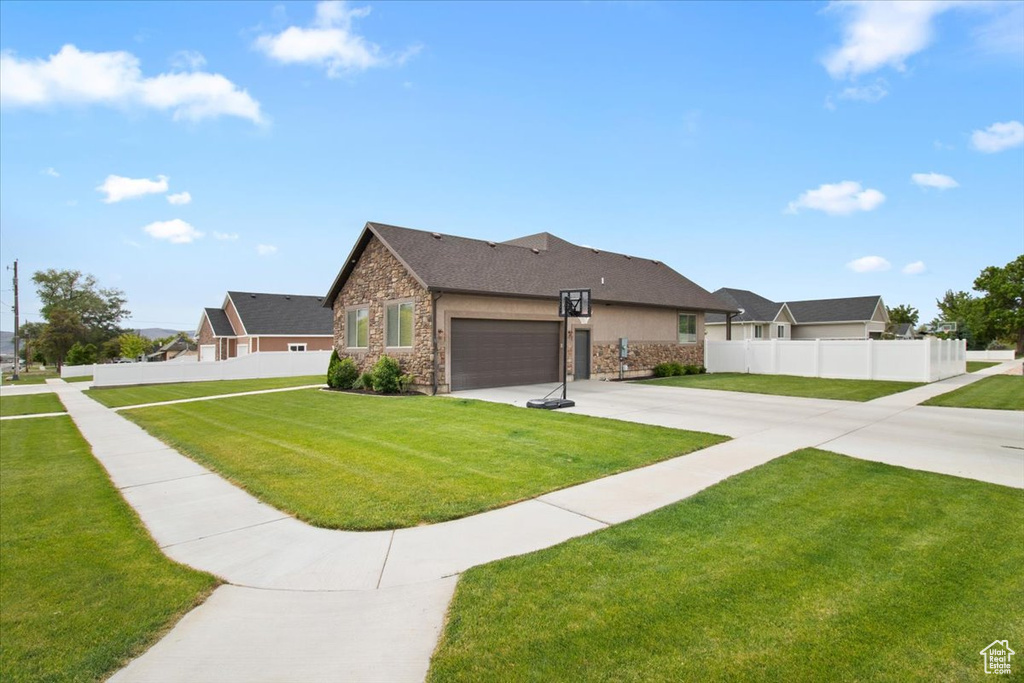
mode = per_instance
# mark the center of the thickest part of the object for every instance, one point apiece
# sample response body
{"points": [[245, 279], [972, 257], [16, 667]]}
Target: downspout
{"points": [[433, 334]]}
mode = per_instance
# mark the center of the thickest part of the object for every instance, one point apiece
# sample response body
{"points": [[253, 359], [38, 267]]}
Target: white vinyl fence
{"points": [[76, 371], [253, 366], [1008, 354], [925, 360]]}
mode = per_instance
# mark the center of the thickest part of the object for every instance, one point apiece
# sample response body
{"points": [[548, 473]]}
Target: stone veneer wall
{"points": [[379, 278], [643, 356]]}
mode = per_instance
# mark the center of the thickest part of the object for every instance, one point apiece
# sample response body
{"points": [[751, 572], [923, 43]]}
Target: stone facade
{"points": [[377, 279], [642, 358]]}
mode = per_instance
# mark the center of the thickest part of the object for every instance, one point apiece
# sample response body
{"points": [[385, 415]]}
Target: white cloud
{"points": [[50, 171], [998, 136], [869, 264], [879, 34], [266, 249], [175, 231], [188, 60], [866, 93], [838, 199], [75, 77], [915, 268], [942, 146], [936, 180], [330, 42], [225, 236], [180, 198], [118, 187]]}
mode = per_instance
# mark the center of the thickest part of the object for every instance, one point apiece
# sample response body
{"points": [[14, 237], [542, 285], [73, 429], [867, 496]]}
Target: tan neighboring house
{"points": [[859, 317], [460, 313], [176, 349], [255, 322]]}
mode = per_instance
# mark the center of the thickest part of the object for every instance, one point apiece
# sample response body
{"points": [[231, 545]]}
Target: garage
{"points": [[496, 353]]}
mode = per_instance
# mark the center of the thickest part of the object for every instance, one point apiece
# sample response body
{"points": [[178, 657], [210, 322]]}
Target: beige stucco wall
{"points": [[854, 330]]}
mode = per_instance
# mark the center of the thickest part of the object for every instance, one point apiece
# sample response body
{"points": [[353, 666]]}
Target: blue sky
{"points": [[800, 150]]}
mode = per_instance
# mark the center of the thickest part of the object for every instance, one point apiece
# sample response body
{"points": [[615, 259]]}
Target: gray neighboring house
{"points": [[460, 313], [254, 322], [859, 317]]}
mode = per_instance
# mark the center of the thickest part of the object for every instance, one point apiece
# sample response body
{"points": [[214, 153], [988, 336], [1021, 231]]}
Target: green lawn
{"points": [[30, 404], [31, 377], [83, 378], [373, 462], [116, 397], [83, 586], [813, 567], [787, 385], [975, 365], [1000, 392]]}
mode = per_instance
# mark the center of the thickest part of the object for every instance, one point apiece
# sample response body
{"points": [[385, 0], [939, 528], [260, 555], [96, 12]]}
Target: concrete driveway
{"points": [[987, 445]]}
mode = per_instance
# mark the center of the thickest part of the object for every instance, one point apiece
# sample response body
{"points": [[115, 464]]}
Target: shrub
{"points": [[677, 369], [385, 375], [663, 370], [405, 381], [701, 370], [332, 368], [691, 369], [365, 381], [344, 375]]}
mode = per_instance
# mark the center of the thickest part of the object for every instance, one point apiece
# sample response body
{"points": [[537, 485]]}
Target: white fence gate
{"points": [[924, 360], [253, 366]]}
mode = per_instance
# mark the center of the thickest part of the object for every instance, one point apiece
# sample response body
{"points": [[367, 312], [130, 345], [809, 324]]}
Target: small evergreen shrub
{"points": [[332, 368], [365, 381], [344, 375], [691, 369], [405, 381], [701, 370], [677, 369], [663, 370], [385, 375]]}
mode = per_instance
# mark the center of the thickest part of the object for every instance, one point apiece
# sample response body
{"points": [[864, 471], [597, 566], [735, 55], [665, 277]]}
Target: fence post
{"points": [[775, 357], [871, 358], [746, 356]]}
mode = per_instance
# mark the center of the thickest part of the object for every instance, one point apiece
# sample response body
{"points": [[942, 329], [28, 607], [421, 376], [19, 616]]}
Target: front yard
{"points": [[788, 385], [82, 584], [812, 567], [999, 392], [373, 462], [117, 397], [30, 404]]}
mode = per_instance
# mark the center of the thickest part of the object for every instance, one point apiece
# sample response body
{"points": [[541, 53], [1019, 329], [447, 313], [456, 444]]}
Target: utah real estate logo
{"points": [[997, 657]]}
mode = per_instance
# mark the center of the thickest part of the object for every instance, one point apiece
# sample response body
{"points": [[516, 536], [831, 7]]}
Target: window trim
{"points": [[758, 331], [679, 335], [412, 332], [356, 309], [780, 331], [296, 344]]}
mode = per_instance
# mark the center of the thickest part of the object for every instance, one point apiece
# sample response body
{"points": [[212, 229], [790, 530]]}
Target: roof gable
{"points": [[219, 322], [533, 266], [849, 309], [753, 308]]}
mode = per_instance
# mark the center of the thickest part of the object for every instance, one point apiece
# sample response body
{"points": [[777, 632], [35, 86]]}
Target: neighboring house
{"points": [[904, 331], [254, 322], [860, 317], [463, 313], [177, 348]]}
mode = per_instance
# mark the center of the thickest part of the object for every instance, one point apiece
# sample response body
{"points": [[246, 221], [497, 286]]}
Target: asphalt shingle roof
{"points": [[220, 323], [535, 266], [282, 313], [756, 308]]}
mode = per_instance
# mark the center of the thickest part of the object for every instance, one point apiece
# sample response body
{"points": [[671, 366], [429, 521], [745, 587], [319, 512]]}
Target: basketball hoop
{"points": [[572, 303]]}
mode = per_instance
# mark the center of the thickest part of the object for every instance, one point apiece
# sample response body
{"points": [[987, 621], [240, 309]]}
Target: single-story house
{"points": [[178, 348], [859, 317], [255, 322], [460, 313]]}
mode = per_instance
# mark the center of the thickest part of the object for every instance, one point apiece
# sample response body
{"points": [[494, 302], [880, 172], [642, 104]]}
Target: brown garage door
{"points": [[497, 353]]}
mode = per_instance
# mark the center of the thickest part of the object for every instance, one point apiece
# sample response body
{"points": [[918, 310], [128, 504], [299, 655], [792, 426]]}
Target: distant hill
{"points": [[157, 332]]}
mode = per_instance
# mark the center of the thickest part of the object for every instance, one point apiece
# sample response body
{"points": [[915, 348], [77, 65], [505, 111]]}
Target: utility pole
{"points": [[14, 372]]}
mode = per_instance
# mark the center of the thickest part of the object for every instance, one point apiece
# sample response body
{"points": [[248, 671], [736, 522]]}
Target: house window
{"points": [[687, 328], [758, 332], [296, 347], [781, 332], [398, 325], [357, 328]]}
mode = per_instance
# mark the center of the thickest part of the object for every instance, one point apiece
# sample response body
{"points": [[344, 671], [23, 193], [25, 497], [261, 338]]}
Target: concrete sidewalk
{"points": [[316, 604]]}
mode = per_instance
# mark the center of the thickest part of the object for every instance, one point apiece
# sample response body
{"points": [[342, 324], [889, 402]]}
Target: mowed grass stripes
{"points": [[813, 567], [369, 462]]}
